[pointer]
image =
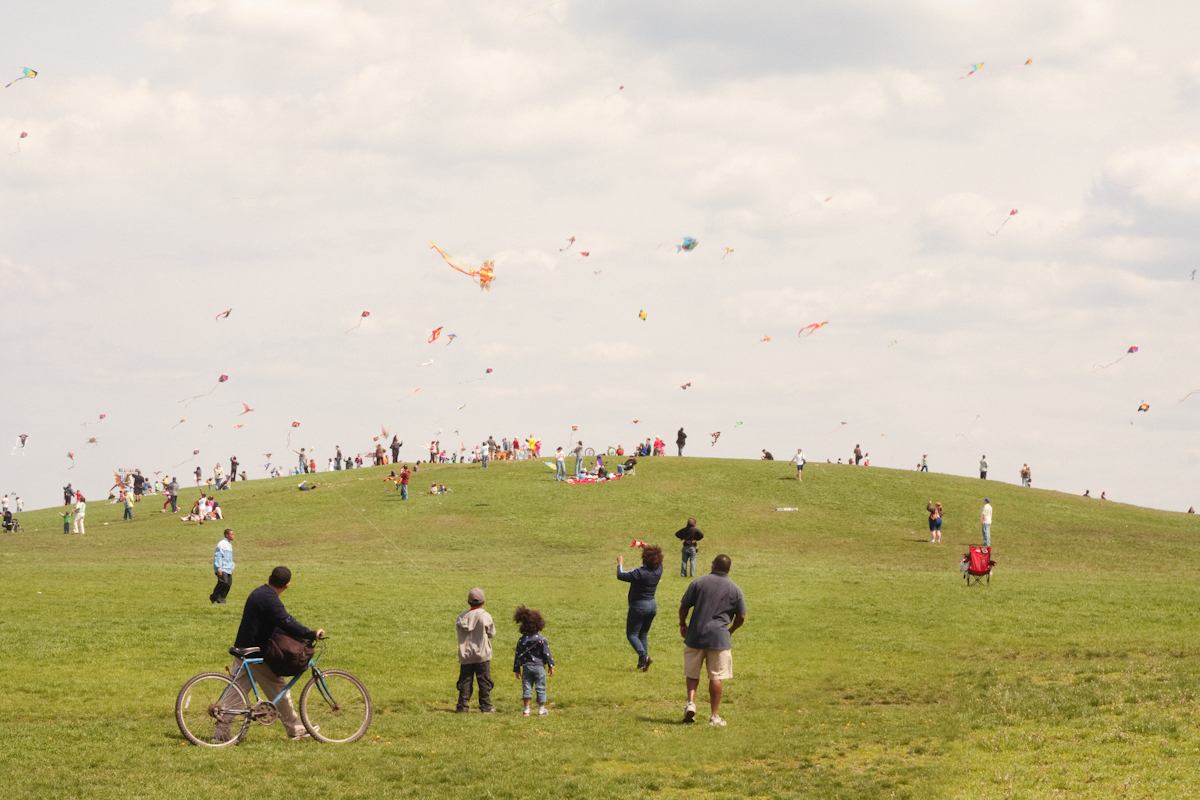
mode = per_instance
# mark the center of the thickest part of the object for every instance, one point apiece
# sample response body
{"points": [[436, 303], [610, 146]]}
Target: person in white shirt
{"points": [[985, 519], [798, 460], [80, 512]]}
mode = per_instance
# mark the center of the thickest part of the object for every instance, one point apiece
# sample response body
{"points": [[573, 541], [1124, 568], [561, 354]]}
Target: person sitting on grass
{"points": [[532, 658]]}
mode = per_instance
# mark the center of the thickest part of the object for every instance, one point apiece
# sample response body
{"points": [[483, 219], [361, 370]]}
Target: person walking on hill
{"points": [[262, 614], [924, 462], [690, 536], [857, 455], [715, 602], [1026, 476], [475, 631], [223, 568], [680, 440], [643, 583], [983, 468], [799, 461], [985, 520]]}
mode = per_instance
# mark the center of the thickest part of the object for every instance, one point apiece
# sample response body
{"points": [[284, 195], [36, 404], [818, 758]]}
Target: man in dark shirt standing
{"points": [[233, 465], [262, 614], [715, 601], [690, 536], [680, 440]]}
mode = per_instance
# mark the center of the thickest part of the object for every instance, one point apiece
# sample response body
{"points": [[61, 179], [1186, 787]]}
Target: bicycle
{"points": [[213, 711]]}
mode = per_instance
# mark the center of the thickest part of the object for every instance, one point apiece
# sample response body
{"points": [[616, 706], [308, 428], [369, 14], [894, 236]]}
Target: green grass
{"points": [[865, 670]]}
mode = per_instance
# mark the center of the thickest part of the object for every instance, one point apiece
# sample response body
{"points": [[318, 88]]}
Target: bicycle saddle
{"points": [[243, 652]]}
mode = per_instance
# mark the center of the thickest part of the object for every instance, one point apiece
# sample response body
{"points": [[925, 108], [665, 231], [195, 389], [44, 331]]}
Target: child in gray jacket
{"points": [[475, 632]]}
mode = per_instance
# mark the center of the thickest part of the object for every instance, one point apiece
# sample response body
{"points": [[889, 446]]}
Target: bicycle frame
{"points": [[312, 666]]}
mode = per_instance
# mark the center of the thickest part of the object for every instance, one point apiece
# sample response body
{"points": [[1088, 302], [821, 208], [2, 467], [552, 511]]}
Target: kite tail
{"points": [[450, 260], [1099, 367], [356, 327]]}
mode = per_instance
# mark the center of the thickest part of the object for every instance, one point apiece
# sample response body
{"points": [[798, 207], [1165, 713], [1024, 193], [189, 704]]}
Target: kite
{"points": [[414, 391], [1144, 407], [383, 431], [570, 242], [19, 444], [361, 317], [764, 339], [635, 422], [584, 253], [246, 410], [736, 424], [489, 371], [813, 328], [295, 424], [598, 271], [450, 337], [223, 315], [715, 436], [1185, 397], [686, 385], [574, 428], [93, 440], [485, 273], [637, 543], [239, 426], [426, 363], [1128, 352], [892, 342], [728, 250], [968, 433], [181, 463], [838, 428], [26, 72], [220, 380], [266, 455], [433, 336], [177, 424], [69, 455], [19, 138], [642, 316], [689, 244], [614, 94], [1011, 214], [974, 68], [97, 422]]}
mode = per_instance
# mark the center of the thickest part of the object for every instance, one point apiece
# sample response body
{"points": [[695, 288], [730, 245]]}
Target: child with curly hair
{"points": [[533, 658]]}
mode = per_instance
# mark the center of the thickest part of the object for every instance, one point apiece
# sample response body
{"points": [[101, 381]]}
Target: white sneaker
{"points": [[689, 712], [716, 721], [525, 713]]}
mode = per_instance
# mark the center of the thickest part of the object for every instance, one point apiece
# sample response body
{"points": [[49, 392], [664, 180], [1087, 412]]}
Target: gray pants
{"points": [[467, 673]]}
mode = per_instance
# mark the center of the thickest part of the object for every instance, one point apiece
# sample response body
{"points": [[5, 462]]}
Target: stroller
{"points": [[12, 524], [976, 565]]}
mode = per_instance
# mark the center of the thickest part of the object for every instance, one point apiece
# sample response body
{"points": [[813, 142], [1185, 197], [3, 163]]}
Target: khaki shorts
{"points": [[720, 663]]}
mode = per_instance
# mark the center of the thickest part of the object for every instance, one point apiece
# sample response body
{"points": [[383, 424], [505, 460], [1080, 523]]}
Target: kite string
{"points": [[384, 536]]}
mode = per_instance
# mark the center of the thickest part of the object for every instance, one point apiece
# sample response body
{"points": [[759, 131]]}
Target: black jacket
{"points": [[262, 614]]}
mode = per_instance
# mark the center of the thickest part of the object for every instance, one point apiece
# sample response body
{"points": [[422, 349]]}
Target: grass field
{"points": [[865, 669]]}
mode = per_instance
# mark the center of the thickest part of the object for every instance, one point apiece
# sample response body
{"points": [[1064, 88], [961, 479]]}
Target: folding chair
{"points": [[976, 565]]}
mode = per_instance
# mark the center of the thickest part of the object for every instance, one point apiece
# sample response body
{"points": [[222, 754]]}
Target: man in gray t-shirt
{"points": [[715, 602]]}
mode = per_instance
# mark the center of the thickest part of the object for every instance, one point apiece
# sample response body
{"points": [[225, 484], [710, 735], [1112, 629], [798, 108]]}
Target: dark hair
{"points": [[529, 619], [721, 563], [280, 577], [652, 556]]}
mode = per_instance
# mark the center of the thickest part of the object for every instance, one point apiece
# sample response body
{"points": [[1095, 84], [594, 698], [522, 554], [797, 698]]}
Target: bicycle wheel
{"points": [[212, 711], [335, 707]]}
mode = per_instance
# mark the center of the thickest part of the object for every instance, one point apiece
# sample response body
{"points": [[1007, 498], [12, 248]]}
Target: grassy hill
{"points": [[866, 668]]}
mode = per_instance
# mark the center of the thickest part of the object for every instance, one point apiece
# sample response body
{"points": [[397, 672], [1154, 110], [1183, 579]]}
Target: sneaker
{"points": [[302, 735], [716, 721], [525, 713], [542, 712], [689, 712]]}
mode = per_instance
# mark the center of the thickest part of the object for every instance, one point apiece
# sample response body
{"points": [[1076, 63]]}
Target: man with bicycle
{"points": [[262, 614]]}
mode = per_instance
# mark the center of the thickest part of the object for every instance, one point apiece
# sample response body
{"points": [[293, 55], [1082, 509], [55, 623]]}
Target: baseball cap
{"points": [[475, 596]]}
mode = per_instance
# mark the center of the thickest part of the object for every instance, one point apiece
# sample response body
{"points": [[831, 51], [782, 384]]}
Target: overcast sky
{"points": [[292, 160]]}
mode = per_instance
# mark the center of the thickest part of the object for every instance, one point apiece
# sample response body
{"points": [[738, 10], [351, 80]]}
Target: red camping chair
{"points": [[977, 564]]}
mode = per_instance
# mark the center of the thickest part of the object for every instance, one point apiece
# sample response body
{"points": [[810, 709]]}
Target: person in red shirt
{"points": [[404, 475]]}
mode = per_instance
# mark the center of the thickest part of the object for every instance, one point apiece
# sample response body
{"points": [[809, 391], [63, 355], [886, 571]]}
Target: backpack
{"points": [[287, 656]]}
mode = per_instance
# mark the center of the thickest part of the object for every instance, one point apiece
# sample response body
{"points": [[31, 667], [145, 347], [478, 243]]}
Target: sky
{"points": [[293, 161]]}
